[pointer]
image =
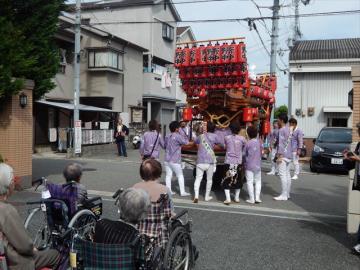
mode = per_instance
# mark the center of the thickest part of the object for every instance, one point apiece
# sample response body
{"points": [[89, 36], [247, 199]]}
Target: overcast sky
{"points": [[330, 27]]}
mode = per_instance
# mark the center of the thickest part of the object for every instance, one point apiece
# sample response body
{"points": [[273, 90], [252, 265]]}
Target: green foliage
{"points": [[27, 45], [279, 110]]}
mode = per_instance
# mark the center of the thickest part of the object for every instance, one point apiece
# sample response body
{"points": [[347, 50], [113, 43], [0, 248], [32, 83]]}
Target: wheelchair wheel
{"points": [[38, 229], [178, 252], [83, 224]]}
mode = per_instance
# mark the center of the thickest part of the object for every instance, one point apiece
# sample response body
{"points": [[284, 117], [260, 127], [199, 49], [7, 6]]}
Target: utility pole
{"points": [[274, 42], [77, 123]]}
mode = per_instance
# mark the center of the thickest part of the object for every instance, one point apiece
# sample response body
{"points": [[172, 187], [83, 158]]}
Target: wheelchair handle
{"points": [[180, 214], [69, 184], [93, 199], [117, 193], [38, 182]]}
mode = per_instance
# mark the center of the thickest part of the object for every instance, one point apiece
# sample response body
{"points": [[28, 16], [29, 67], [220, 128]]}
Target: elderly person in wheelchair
{"points": [[18, 247]]}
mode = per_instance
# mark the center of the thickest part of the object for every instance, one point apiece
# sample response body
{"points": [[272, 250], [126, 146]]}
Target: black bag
{"points": [[145, 157]]}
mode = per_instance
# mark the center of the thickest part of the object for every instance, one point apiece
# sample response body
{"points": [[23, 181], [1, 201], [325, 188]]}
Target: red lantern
{"points": [[227, 70], [255, 112], [221, 83], [232, 53], [247, 114], [229, 83], [213, 85], [236, 84], [224, 53], [217, 54], [266, 127], [197, 72], [189, 73], [212, 71], [185, 85], [186, 57], [204, 72], [202, 55], [182, 73], [178, 57], [272, 100], [210, 58], [194, 56], [219, 71], [187, 114], [241, 52], [202, 93]]}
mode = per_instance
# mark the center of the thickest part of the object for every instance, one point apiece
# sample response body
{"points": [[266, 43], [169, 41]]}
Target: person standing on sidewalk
{"points": [[206, 160], [273, 140], [283, 157], [297, 143], [121, 131], [233, 172], [252, 152], [151, 142], [173, 143]]}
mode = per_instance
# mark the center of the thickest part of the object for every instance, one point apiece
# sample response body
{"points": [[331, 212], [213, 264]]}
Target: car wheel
{"points": [[312, 168]]}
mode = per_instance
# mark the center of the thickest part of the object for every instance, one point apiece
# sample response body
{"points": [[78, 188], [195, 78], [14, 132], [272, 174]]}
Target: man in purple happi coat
{"points": [[152, 141], [272, 139], [173, 143], [284, 156], [297, 143]]}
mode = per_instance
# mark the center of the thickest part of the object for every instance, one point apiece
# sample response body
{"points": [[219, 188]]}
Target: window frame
{"points": [[114, 59], [168, 32]]}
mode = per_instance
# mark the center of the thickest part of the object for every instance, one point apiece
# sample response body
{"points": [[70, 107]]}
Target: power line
{"points": [[332, 13]]}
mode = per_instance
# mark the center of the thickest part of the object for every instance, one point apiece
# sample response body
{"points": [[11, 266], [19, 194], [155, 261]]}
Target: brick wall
{"points": [[355, 73], [16, 135]]}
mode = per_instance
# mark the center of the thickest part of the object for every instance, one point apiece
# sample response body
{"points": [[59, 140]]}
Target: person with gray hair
{"points": [[134, 205], [73, 172], [20, 252]]}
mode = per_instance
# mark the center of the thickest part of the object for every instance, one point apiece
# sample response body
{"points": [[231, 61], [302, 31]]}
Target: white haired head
{"points": [[6, 177]]}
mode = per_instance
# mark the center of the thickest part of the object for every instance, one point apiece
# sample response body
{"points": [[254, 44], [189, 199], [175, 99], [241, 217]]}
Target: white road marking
{"points": [[236, 209]]}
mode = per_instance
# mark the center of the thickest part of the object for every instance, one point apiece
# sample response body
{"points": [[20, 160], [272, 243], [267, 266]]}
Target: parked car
{"points": [[327, 154]]}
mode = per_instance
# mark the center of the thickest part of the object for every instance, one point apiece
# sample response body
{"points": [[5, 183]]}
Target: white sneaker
{"points": [[250, 201], [357, 249], [258, 201], [208, 199], [295, 177], [172, 192], [271, 173], [185, 194], [280, 198]]}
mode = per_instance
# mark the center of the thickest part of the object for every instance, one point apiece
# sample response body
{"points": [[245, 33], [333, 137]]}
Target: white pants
{"points": [[285, 177], [274, 167], [200, 169], [251, 178], [295, 160], [174, 167]]}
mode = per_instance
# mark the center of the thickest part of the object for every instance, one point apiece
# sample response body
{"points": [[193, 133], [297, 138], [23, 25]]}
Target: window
{"points": [[167, 32], [105, 58], [335, 136]]}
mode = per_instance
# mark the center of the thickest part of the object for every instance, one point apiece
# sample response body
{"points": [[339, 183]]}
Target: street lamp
{"points": [[23, 99]]}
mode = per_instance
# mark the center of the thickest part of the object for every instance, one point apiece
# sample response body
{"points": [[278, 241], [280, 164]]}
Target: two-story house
{"points": [[111, 82], [150, 24]]}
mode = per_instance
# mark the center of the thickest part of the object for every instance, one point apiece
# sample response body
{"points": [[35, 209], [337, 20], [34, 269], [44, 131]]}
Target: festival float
{"points": [[215, 77]]}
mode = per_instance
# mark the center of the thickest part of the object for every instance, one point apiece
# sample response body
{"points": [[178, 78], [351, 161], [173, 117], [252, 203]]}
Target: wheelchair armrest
{"points": [[92, 199], [180, 214]]}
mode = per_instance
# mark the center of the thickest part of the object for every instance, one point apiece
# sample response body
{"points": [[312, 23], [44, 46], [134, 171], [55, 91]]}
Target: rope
{"points": [[216, 119]]}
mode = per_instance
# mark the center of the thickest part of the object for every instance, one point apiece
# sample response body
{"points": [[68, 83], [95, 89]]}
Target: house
{"points": [[183, 34], [150, 24], [111, 81], [320, 81]]}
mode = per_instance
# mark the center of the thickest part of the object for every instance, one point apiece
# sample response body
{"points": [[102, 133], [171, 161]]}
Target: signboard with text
{"points": [[77, 137]]}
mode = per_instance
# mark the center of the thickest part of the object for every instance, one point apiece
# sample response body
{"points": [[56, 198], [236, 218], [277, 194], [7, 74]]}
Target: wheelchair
{"points": [[58, 217], [170, 250]]}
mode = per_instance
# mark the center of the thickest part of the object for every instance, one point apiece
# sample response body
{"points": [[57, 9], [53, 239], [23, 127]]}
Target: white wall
{"points": [[319, 90]]}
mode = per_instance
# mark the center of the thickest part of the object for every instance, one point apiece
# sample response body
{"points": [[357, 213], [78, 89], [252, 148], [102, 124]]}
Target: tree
{"points": [[279, 110], [27, 45]]}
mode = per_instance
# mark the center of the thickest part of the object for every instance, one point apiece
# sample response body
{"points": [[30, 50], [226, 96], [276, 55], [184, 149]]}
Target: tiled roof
{"points": [[181, 29], [326, 49]]}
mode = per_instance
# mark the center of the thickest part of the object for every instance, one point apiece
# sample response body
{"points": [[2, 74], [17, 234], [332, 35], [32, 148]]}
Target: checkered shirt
{"points": [[109, 256], [155, 225]]}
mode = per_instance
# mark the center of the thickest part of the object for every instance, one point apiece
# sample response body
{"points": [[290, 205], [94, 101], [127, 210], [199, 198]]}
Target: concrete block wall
{"points": [[16, 135]]}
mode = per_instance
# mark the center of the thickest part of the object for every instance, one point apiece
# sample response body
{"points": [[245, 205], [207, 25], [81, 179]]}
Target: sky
{"points": [[312, 28]]}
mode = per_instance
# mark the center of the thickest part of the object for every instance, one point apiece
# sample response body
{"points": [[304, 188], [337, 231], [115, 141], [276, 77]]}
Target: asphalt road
{"points": [[308, 232]]}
